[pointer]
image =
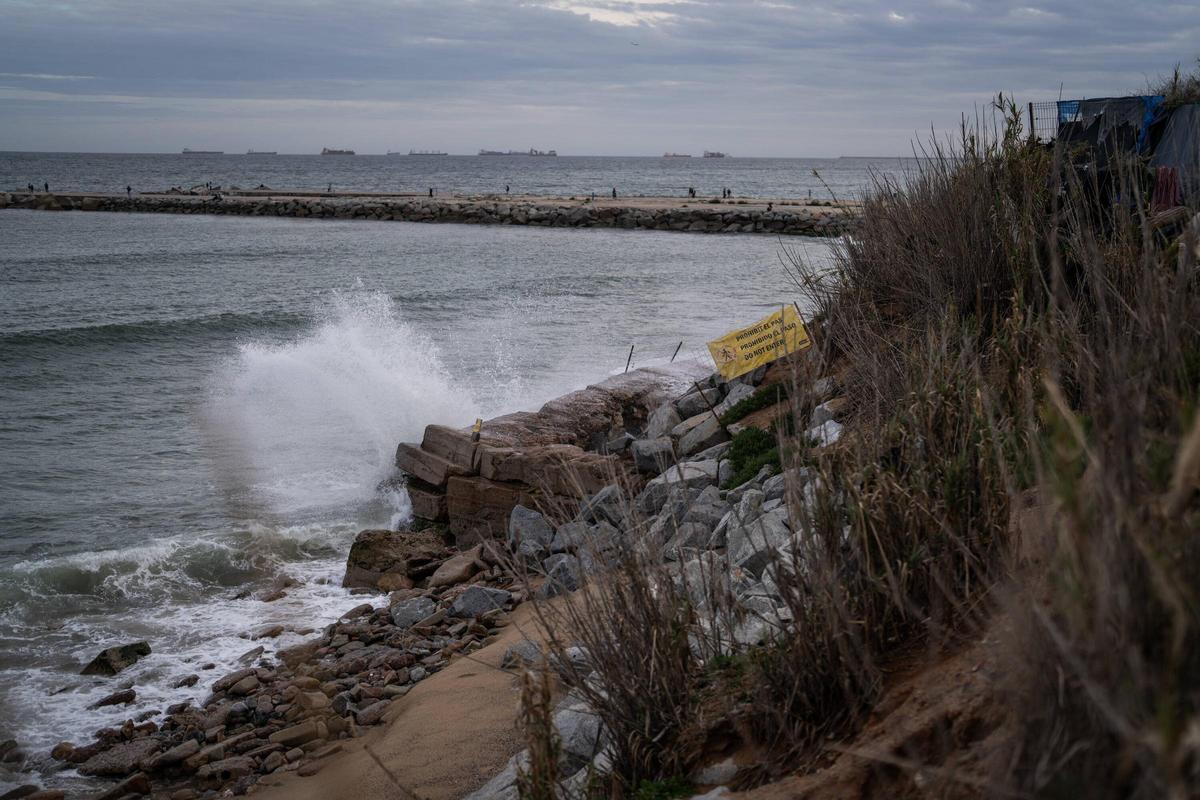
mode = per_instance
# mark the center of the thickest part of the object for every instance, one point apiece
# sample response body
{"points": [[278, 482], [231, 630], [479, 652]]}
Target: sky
{"points": [[602, 77]]}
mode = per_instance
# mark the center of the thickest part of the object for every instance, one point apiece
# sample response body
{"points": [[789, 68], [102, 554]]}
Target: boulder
{"points": [[375, 553], [409, 612], [479, 508], [432, 469], [737, 393], [825, 434], [652, 456], [123, 698], [569, 536], [529, 535], [454, 445], [522, 653], [606, 505], [478, 600], [697, 402], [752, 544], [458, 569], [120, 760], [707, 433], [581, 734], [662, 420], [115, 659], [296, 735], [685, 476], [685, 427], [427, 503], [562, 575]]}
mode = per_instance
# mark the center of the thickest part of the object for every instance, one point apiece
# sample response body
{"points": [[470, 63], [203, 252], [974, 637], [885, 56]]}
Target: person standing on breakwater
{"points": [[614, 193], [129, 191], [330, 189], [47, 186], [31, 189], [506, 188], [431, 191]]}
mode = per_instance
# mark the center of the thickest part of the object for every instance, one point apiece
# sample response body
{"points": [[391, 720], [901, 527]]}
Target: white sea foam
{"points": [[313, 422]]}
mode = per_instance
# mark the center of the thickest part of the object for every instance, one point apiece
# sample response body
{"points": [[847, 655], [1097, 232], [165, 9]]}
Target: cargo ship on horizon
{"points": [[713, 154], [677, 155], [261, 153], [187, 151], [326, 151], [418, 153], [530, 152]]}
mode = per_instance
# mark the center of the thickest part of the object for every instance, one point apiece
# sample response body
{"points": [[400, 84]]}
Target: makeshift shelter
{"points": [[1176, 156]]}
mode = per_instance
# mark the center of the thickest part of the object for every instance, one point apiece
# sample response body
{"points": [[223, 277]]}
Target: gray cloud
{"points": [[753, 77]]}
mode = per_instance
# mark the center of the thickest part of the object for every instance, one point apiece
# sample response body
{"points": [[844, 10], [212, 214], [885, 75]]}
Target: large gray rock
{"points": [[520, 654], [115, 659], [409, 612], [826, 433], [694, 402], [753, 544], [478, 600], [662, 420], [504, 785], [606, 505], [714, 453], [705, 579], [652, 456], [529, 535], [582, 735], [570, 536], [708, 433], [737, 393], [822, 414], [677, 480], [562, 575], [708, 509]]}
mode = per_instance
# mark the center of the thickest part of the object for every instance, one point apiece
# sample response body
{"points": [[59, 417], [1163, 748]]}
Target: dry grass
{"points": [[1004, 330]]}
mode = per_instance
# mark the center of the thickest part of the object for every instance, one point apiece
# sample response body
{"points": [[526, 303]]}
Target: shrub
{"points": [[750, 451], [763, 397]]}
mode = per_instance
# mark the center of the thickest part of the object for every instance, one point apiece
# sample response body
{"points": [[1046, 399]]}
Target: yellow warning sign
{"points": [[772, 337]]}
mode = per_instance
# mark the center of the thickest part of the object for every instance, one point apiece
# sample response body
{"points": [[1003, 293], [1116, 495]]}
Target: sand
{"points": [[447, 737]]}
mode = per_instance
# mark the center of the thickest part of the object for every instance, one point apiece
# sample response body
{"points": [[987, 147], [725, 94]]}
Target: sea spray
{"points": [[311, 424]]}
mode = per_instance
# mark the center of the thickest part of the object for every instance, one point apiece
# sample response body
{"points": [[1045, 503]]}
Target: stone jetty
{"points": [[780, 218], [547, 459]]}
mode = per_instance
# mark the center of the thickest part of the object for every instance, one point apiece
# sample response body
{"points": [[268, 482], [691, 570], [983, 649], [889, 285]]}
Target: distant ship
{"points": [[261, 153], [187, 151], [713, 154], [530, 152], [677, 155], [418, 153], [325, 151]]}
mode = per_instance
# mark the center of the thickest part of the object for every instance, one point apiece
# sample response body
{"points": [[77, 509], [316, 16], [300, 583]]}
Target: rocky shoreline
{"points": [[785, 218], [484, 527]]}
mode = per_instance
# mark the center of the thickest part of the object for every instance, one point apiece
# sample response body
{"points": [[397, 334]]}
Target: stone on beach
{"points": [[114, 659], [478, 600], [375, 553]]}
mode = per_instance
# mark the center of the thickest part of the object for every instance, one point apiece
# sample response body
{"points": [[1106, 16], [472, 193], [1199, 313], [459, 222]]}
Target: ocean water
{"points": [[195, 406], [843, 178]]}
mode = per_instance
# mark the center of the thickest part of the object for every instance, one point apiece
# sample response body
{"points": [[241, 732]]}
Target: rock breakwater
{"points": [[660, 214]]}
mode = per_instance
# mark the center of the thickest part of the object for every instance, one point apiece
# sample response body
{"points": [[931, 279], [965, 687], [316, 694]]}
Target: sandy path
{"points": [[447, 737]]}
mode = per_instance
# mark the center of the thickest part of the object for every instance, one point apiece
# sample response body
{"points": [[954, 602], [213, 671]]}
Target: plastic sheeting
{"points": [[1179, 149]]}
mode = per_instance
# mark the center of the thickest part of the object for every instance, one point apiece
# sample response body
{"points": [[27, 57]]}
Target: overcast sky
{"points": [[621, 77]]}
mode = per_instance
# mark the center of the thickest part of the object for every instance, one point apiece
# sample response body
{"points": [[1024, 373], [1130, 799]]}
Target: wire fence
{"points": [[1046, 117]]}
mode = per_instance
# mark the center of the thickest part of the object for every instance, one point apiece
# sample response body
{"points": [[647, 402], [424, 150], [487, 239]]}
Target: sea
{"points": [[193, 409]]}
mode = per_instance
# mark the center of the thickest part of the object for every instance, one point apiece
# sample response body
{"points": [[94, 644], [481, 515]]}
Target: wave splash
{"points": [[311, 424]]}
